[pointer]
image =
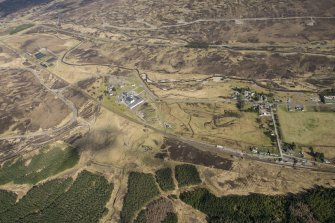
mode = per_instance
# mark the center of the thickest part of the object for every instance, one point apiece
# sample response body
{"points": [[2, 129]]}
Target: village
{"points": [[132, 95], [266, 106], [160, 111], [269, 108]]}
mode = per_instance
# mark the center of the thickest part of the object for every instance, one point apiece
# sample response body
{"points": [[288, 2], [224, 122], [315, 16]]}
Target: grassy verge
{"points": [[43, 165], [164, 179], [141, 189], [187, 174]]}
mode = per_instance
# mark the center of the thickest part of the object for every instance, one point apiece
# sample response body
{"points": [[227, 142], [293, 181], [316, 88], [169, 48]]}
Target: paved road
{"points": [[232, 47], [198, 143], [150, 94], [205, 145], [277, 134], [153, 27], [56, 92]]}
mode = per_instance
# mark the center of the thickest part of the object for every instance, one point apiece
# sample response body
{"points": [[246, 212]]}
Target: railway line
{"points": [[197, 143]]}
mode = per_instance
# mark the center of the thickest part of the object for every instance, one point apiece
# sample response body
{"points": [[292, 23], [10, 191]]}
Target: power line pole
{"points": [[59, 22]]}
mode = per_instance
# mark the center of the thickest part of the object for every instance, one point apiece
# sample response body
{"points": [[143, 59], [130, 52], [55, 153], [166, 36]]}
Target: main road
{"points": [[55, 92], [216, 20], [199, 144], [277, 134]]}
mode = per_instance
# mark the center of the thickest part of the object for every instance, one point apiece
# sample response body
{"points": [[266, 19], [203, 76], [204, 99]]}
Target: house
{"points": [[111, 90], [264, 110], [39, 55], [299, 108], [131, 99], [254, 150], [330, 99], [167, 125]]}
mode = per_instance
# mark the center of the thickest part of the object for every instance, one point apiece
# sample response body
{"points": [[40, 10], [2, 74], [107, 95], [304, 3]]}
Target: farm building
{"points": [[39, 55], [299, 108], [131, 100], [264, 110], [329, 99]]}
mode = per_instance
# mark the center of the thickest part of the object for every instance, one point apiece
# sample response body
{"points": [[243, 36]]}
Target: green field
{"points": [[41, 166], [63, 200], [307, 128], [20, 28], [111, 103], [141, 189]]}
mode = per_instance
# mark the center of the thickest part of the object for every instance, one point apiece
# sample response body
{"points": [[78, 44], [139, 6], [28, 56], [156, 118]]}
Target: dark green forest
{"points": [[142, 188], [43, 165], [164, 179], [200, 45], [7, 200], [83, 200], [314, 205], [187, 174], [170, 218], [141, 218]]}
